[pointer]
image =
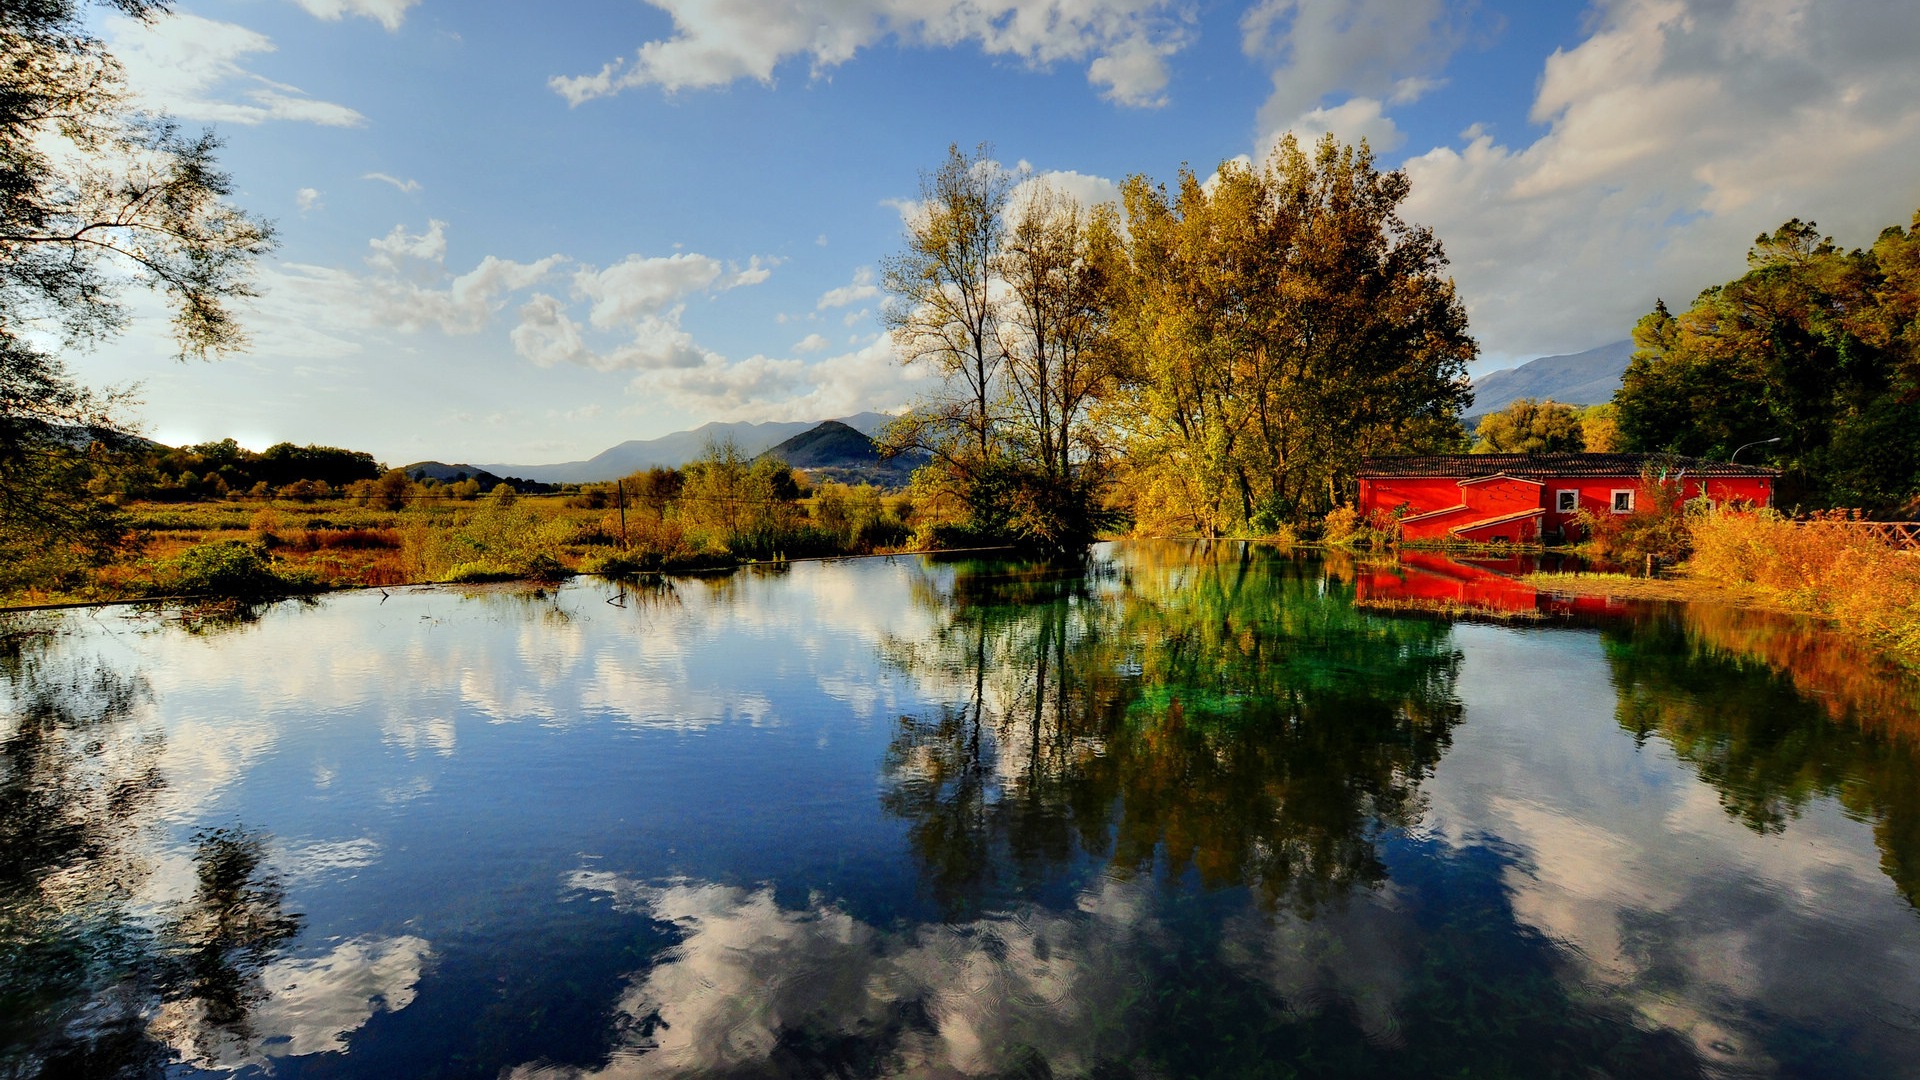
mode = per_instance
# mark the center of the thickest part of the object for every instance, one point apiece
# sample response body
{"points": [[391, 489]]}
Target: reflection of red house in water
{"points": [[1528, 498], [1430, 578]]}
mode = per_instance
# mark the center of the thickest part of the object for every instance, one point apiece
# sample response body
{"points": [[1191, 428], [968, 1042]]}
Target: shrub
{"points": [[1823, 565], [236, 569]]}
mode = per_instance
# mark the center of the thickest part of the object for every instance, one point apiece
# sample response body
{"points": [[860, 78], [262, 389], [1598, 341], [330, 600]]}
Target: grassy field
{"points": [[257, 547]]}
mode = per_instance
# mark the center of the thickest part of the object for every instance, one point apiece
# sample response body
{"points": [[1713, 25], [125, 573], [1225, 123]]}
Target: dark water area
{"points": [[1186, 811]]}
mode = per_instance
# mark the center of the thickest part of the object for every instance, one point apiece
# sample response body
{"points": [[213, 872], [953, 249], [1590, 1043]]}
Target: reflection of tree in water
{"points": [[1213, 707], [1769, 738], [80, 976], [218, 942]]}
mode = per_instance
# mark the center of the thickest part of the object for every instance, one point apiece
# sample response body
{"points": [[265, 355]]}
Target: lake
{"points": [[1185, 811]]}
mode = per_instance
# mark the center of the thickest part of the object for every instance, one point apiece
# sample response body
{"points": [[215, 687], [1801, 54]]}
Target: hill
{"points": [[1586, 378], [451, 474], [835, 451], [678, 448]]}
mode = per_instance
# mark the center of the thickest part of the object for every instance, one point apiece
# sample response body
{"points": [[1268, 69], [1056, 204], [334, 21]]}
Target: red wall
{"points": [[1424, 494]]}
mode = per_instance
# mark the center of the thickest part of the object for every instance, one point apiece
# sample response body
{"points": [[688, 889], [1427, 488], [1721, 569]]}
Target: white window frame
{"points": [[1617, 492], [1560, 501]]}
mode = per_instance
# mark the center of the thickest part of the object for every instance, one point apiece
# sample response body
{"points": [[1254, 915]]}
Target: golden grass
{"points": [[1862, 585], [1866, 586]]}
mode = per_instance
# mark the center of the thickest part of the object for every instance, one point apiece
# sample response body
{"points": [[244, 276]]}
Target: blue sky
{"points": [[522, 233]]}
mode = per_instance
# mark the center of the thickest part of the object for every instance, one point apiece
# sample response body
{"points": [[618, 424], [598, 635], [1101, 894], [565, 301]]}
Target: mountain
{"points": [[834, 451], [451, 474], [672, 451], [832, 443], [1587, 378]]}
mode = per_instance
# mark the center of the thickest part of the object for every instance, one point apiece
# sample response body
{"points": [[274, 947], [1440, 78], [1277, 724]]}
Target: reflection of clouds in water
{"points": [[312, 1005], [328, 859], [670, 700], [1654, 890], [422, 658], [1353, 956], [750, 977], [413, 734]]}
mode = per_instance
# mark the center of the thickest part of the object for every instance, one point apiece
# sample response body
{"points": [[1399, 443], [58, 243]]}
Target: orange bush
{"points": [[1822, 566]]}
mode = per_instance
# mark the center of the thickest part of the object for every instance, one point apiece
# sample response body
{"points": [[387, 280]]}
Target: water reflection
{"points": [[1212, 710], [1774, 715], [95, 980], [1182, 811]]}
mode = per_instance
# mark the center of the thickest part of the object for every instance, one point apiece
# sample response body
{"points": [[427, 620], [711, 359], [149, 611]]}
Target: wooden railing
{"points": [[1899, 535]]}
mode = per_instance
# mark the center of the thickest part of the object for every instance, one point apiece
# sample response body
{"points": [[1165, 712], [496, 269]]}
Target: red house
{"points": [[1530, 498]]}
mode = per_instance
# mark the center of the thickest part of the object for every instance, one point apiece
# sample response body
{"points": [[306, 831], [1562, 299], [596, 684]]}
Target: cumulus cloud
{"points": [[766, 388], [407, 287], [388, 13], [1350, 121], [307, 199], [1676, 132], [1087, 191], [642, 300], [190, 67], [810, 343], [1126, 43], [1381, 49], [861, 288]]}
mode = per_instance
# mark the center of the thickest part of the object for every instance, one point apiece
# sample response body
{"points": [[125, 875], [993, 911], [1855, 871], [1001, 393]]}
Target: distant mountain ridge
{"points": [[835, 451], [680, 447], [1584, 378]]}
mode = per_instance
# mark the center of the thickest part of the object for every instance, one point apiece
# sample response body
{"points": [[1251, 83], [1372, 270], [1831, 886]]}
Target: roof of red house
{"points": [[1524, 465]]}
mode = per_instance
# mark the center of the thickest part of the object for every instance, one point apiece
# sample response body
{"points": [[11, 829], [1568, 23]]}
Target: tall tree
{"points": [[1056, 262], [1278, 324], [95, 196], [941, 307], [1815, 346]]}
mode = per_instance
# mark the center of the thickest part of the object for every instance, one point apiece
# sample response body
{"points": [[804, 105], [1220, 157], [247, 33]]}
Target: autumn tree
{"points": [[1275, 325], [941, 307], [1600, 428], [1814, 345], [1530, 427], [95, 196], [1009, 304]]}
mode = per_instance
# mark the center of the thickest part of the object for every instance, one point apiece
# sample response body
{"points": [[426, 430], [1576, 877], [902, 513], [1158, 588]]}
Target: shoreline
{"points": [[128, 601]]}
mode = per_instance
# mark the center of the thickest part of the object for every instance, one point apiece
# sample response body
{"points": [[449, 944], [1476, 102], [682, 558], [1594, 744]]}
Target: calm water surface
{"points": [[1187, 813]]}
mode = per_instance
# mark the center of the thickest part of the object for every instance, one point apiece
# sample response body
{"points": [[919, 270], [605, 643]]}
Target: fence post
{"points": [[620, 496]]}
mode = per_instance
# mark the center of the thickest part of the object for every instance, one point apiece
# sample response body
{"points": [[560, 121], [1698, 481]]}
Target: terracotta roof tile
{"points": [[1524, 465]]}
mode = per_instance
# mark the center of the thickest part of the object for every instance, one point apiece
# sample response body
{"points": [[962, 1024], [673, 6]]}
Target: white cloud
{"points": [[307, 199], [388, 13], [1364, 48], [716, 42], [1087, 191], [810, 343], [408, 288], [1134, 71], [189, 66], [862, 288], [764, 388], [397, 245], [641, 298], [407, 186], [639, 286], [1350, 121], [1676, 132]]}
